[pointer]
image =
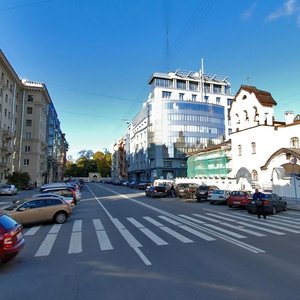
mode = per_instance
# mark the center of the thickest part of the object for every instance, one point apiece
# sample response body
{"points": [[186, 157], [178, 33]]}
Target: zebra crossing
{"points": [[163, 230]]}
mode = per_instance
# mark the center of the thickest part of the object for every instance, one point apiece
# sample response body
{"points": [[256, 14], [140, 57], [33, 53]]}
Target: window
{"points": [[253, 147], [294, 142], [194, 97], [218, 100], [181, 95], [206, 99], [5, 112], [30, 98], [28, 122], [166, 95], [26, 162], [239, 150], [254, 175], [27, 148], [193, 86], [29, 110], [181, 84], [28, 135]]}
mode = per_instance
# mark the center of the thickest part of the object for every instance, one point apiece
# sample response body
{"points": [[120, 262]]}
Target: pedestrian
{"points": [[258, 197], [172, 190]]}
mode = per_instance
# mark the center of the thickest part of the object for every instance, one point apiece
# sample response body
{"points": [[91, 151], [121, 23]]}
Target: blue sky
{"points": [[96, 56]]}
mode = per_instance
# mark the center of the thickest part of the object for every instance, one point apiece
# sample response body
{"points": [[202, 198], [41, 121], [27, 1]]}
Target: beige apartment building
{"points": [[26, 143]]}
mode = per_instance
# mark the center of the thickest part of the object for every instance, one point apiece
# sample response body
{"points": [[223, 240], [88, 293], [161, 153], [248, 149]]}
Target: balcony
{"points": [[7, 134], [7, 149]]}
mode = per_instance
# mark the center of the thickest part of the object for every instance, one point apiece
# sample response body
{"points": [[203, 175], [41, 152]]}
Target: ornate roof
{"points": [[264, 98]]}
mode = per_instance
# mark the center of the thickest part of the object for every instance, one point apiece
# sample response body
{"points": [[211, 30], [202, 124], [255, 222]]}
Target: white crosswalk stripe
{"points": [[150, 234], [102, 236], [168, 230], [219, 225]]}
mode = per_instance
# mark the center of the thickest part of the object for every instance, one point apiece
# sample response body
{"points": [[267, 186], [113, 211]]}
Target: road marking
{"points": [[55, 228], [197, 233], [243, 229], [261, 228], [32, 230], [239, 236], [75, 245], [151, 235], [214, 233], [46, 246], [170, 231], [103, 239], [192, 219]]}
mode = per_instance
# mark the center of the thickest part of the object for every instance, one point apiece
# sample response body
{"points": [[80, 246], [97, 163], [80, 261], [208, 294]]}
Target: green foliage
{"points": [[19, 179], [89, 162]]}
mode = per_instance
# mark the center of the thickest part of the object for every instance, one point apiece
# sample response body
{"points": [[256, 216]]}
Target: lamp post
{"points": [[293, 161]]}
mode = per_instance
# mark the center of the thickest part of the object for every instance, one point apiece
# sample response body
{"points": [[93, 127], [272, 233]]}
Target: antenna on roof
{"points": [[248, 80], [202, 79]]}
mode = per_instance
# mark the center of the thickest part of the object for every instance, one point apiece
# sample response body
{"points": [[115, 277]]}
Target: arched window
{"points": [[253, 147], [254, 175], [239, 150], [294, 142], [246, 115], [256, 115]]}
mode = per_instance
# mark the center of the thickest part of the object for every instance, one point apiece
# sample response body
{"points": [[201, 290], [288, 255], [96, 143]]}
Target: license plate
{"points": [[236, 202]]}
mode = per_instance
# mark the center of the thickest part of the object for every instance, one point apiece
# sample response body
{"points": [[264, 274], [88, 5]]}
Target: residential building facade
{"points": [[25, 133]]}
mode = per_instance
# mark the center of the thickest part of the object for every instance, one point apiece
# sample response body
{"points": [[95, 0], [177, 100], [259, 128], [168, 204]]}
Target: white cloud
{"points": [[249, 13], [289, 8]]}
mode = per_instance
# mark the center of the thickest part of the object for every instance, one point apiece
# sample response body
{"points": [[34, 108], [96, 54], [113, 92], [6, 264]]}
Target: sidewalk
{"points": [[292, 203]]}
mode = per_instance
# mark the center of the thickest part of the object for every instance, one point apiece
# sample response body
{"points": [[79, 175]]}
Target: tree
{"points": [[103, 162], [19, 179]]}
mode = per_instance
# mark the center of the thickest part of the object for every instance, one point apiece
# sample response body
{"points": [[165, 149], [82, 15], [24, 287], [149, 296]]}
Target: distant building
{"points": [[185, 112], [119, 162]]}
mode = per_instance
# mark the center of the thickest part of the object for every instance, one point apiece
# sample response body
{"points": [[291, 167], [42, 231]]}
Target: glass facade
{"points": [[185, 128]]}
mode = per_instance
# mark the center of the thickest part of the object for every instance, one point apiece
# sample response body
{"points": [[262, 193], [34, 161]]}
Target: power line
{"points": [[25, 5]]}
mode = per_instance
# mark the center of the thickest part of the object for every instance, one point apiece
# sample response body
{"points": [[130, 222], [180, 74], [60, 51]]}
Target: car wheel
{"points": [[285, 207], [274, 210], [60, 218], [211, 202], [230, 206]]}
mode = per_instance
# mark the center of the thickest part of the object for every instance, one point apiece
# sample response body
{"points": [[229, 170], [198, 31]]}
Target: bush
{"points": [[19, 179]]}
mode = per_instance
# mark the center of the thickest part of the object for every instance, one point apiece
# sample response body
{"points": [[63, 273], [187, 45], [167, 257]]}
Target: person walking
{"points": [[258, 197], [172, 190]]}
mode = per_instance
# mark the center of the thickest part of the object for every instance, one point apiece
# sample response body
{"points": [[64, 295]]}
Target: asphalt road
{"points": [[119, 244]]}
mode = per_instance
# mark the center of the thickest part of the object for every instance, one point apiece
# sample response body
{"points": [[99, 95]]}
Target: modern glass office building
{"points": [[185, 112]]}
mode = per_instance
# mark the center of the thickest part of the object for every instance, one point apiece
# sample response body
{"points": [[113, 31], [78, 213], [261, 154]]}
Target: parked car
{"points": [[8, 189], [143, 185], [272, 204], [68, 200], [156, 191], [52, 185], [38, 210], [239, 198], [11, 238], [218, 196], [64, 191], [203, 191], [186, 190]]}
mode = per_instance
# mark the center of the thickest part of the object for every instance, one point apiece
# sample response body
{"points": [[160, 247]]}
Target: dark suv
{"points": [[203, 191], [186, 190]]}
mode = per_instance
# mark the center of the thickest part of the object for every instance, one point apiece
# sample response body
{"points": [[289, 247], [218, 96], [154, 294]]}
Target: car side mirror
{"points": [[21, 209]]}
